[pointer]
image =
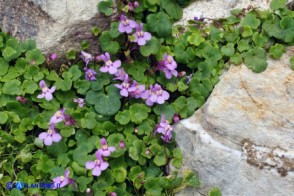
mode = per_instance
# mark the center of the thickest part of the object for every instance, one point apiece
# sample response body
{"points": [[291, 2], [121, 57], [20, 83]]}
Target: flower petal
{"points": [[56, 137], [90, 164], [43, 135], [104, 69], [124, 92], [48, 96], [96, 171], [141, 41], [48, 141], [103, 166], [112, 70]]}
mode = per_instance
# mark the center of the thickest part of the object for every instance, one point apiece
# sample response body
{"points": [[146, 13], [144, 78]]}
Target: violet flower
{"points": [[58, 116], [165, 129], [46, 92], [125, 87], [90, 74], [120, 74], [80, 101], [126, 25], [86, 57], [50, 136], [68, 120], [140, 36], [139, 89], [136, 4], [155, 95], [168, 66], [98, 165], [62, 181], [21, 99], [110, 66], [176, 118], [122, 144], [52, 57], [105, 150]]}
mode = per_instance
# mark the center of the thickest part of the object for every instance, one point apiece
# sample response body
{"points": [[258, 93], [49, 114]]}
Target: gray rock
{"points": [[57, 25], [242, 139]]}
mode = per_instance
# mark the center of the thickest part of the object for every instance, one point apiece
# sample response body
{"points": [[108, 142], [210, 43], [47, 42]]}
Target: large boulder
{"points": [[57, 25], [242, 139]]}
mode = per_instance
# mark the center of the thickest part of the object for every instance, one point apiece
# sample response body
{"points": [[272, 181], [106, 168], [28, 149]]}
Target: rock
{"points": [[218, 8], [57, 25], [242, 139]]}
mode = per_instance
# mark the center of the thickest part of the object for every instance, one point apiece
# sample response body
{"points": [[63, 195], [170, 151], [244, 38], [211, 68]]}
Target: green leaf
{"points": [[113, 32], [9, 53], [256, 59], [273, 29], [33, 72], [277, 51], [29, 44], [292, 62], [182, 54], [137, 71], [152, 47], [192, 179], [277, 4], [89, 121], [236, 59], [196, 38], [250, 20], [30, 86], [165, 109], [243, 45], [160, 24], [35, 57], [152, 186], [123, 117], [228, 50], [107, 43], [172, 8], [3, 67], [83, 182], [82, 86], [214, 192], [139, 112], [75, 71], [12, 87], [3, 117], [119, 174], [105, 7], [71, 54], [96, 31], [44, 164], [259, 39], [107, 105], [246, 31]]}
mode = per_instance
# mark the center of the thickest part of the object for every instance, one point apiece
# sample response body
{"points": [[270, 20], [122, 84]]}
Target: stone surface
{"points": [[218, 8], [242, 139], [57, 25]]}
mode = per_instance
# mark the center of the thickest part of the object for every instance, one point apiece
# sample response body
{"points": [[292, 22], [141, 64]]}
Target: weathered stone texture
{"points": [[242, 139], [57, 25]]}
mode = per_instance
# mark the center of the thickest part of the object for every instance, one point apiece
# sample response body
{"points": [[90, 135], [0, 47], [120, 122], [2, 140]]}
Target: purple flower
{"points": [[112, 194], [125, 87], [90, 74], [110, 66], [105, 150], [164, 128], [155, 95], [136, 4], [126, 25], [176, 118], [50, 136], [98, 165], [131, 7], [52, 57], [139, 89], [140, 36], [21, 99], [80, 101], [46, 92], [68, 120], [62, 181], [120, 74], [122, 144], [86, 57], [58, 116], [168, 66]]}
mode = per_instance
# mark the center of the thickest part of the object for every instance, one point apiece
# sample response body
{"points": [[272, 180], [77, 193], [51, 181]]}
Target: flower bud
{"points": [[122, 144], [176, 118], [136, 4], [136, 130], [131, 7], [112, 194], [147, 152], [21, 99], [182, 73]]}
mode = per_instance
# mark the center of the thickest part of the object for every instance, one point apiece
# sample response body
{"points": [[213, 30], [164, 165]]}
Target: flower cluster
{"points": [[62, 181], [155, 95], [100, 164], [110, 66], [52, 135], [165, 129], [168, 66], [126, 26]]}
